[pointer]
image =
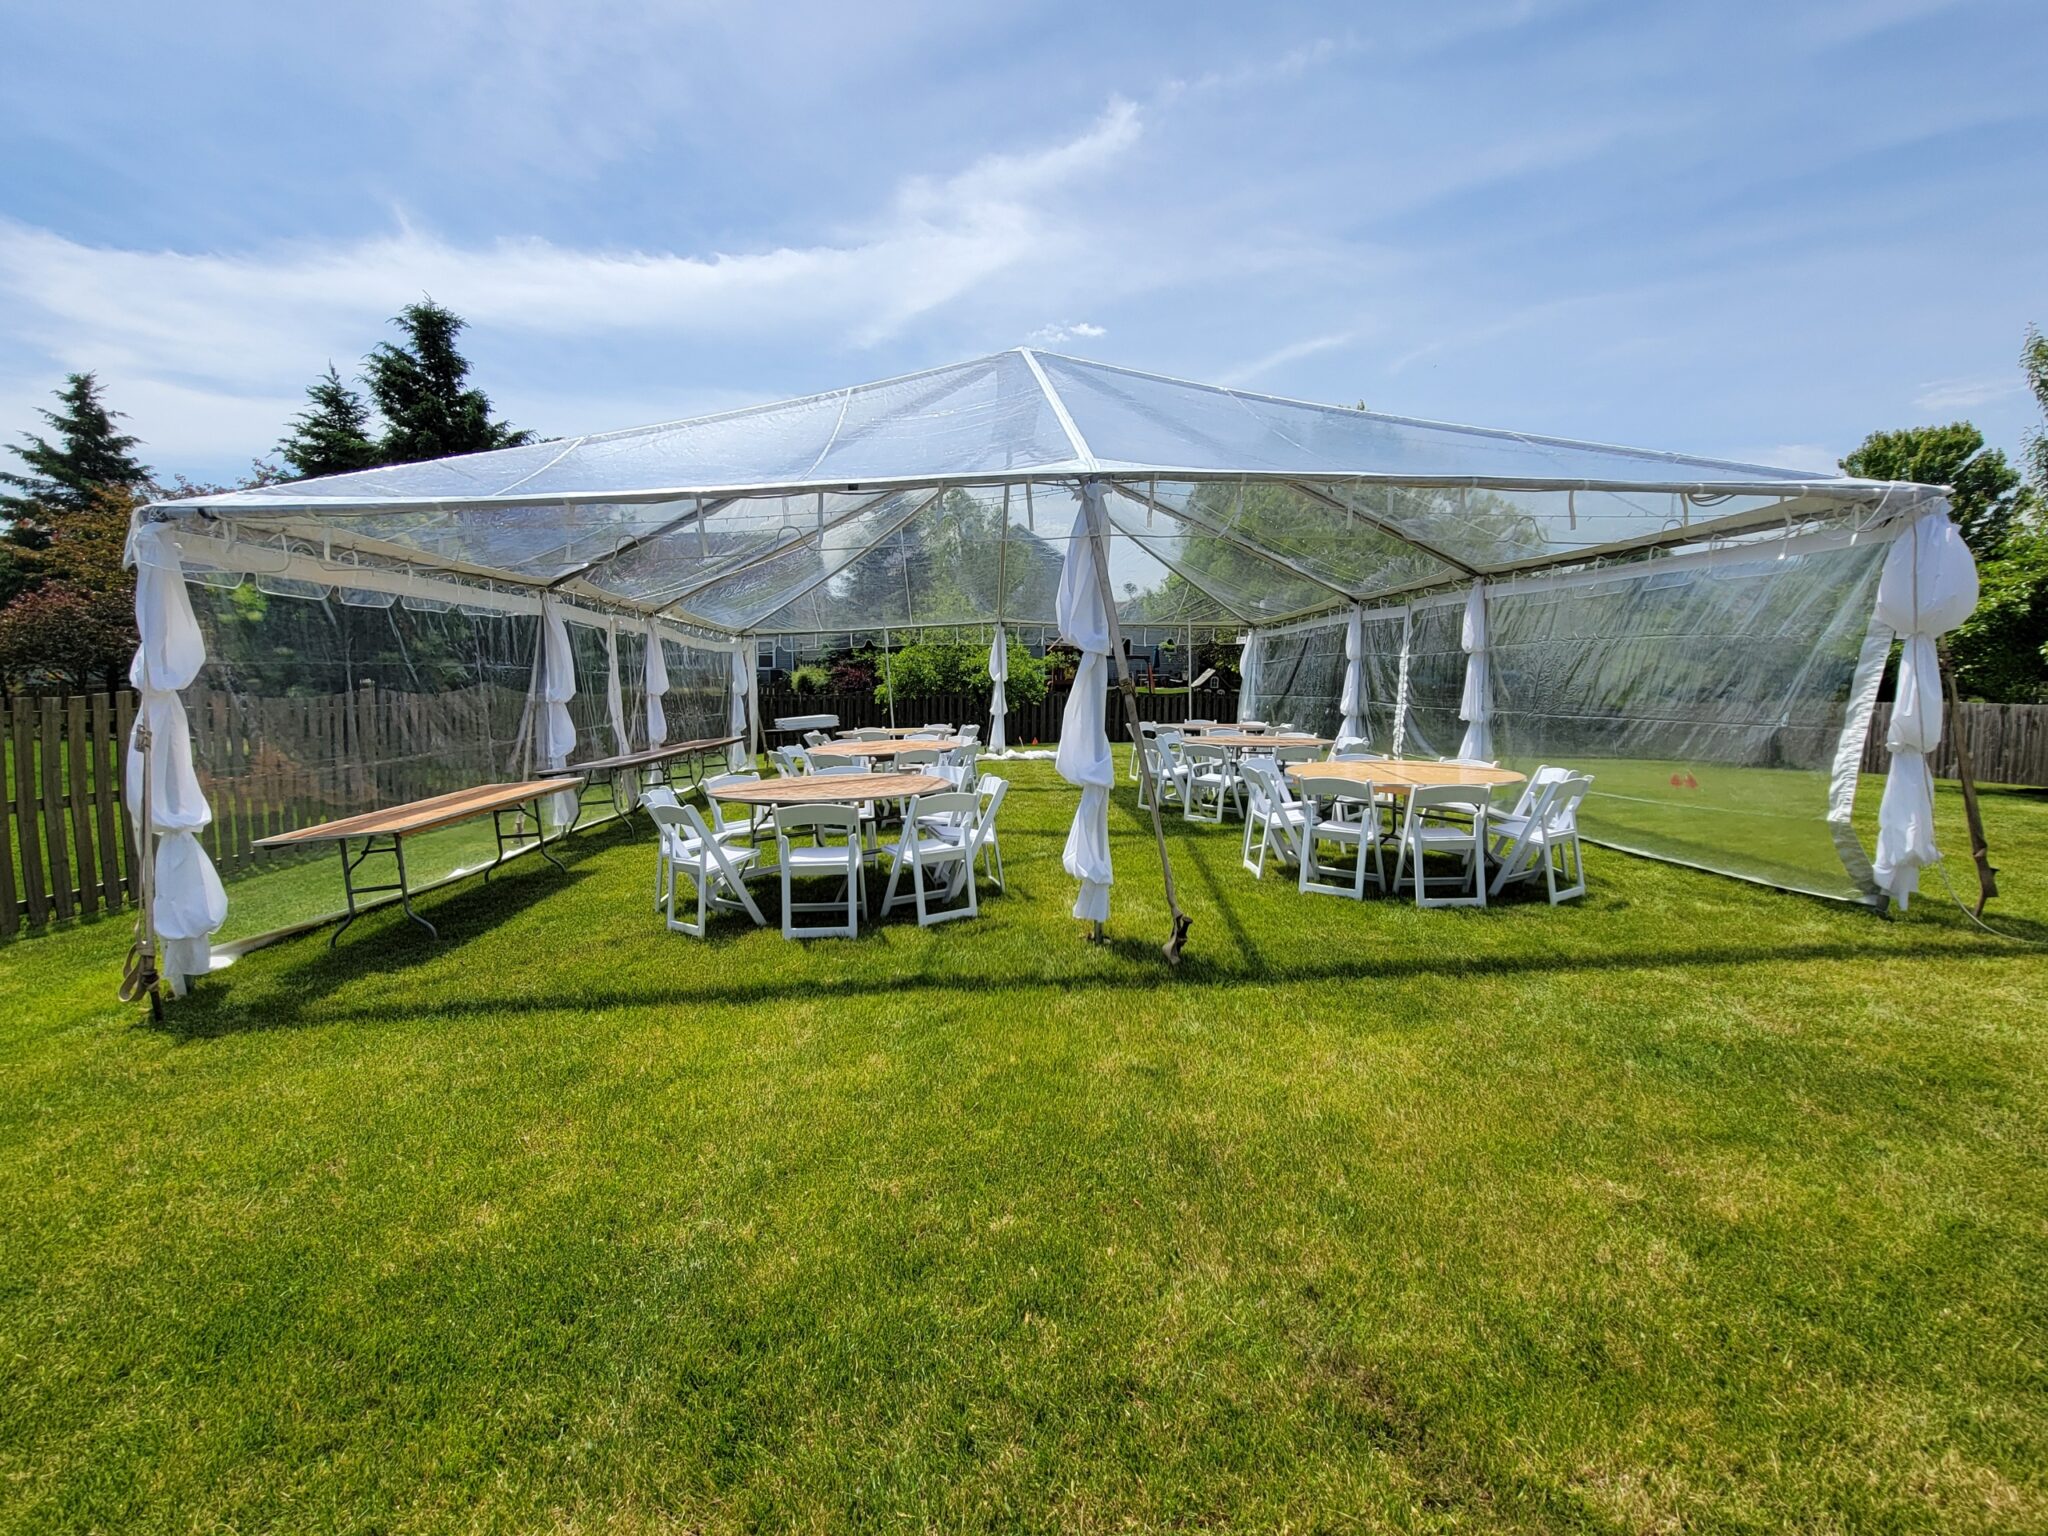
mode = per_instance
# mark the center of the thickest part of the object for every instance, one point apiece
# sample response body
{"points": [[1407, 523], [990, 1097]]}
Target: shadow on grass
{"points": [[218, 1015]]}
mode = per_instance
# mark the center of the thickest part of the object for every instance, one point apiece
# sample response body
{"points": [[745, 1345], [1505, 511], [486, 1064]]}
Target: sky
{"points": [[1741, 229]]}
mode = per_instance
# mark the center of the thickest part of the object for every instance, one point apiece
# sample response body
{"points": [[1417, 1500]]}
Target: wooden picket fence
{"points": [[67, 844], [2008, 743]]}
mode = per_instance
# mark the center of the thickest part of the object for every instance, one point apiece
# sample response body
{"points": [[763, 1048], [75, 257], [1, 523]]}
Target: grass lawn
{"points": [[1692, 1205]]}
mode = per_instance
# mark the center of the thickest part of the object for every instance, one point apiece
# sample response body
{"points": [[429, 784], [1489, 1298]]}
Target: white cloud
{"points": [[1963, 394], [1293, 352], [1053, 335], [205, 348]]}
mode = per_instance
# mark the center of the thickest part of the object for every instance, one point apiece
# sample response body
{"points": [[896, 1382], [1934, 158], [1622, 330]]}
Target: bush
{"points": [[953, 666], [810, 678]]}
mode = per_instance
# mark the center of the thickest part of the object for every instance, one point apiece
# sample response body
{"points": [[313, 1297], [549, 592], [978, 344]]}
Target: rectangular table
{"points": [[663, 757], [385, 831]]}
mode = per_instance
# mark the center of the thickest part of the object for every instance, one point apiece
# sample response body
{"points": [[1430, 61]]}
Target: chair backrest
{"points": [[785, 764], [970, 732], [1268, 784], [1253, 726], [835, 770], [865, 733], [1321, 787], [963, 805], [943, 730], [931, 733], [1450, 797], [720, 781], [1357, 755], [1192, 721], [918, 757], [843, 819], [669, 818], [657, 794], [1296, 752], [1544, 776], [1202, 752], [1561, 811], [989, 795], [815, 738]]}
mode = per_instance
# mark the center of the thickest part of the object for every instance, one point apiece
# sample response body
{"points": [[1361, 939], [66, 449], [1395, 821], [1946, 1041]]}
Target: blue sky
{"points": [[1746, 229]]}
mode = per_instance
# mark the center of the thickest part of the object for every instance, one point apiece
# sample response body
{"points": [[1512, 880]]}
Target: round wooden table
{"points": [[1399, 774], [1241, 742], [846, 751], [831, 788]]}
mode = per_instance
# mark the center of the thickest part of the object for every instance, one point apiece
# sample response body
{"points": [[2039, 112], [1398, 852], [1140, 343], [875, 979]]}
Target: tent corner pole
{"points": [[1177, 941]]}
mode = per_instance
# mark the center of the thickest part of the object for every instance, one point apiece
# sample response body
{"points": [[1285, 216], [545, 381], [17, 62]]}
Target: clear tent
{"points": [[1648, 609]]}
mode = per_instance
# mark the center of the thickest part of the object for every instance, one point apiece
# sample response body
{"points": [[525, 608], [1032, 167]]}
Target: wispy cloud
{"points": [[1053, 335], [1964, 394], [1280, 357], [184, 332]]}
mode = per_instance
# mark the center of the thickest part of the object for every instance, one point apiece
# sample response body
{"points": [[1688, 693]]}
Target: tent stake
{"points": [[1173, 946]]}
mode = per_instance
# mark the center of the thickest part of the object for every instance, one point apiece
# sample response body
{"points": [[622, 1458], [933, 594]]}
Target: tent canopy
{"points": [[940, 498]]}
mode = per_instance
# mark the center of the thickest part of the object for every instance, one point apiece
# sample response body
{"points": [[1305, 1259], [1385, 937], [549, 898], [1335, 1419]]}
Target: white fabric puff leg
{"points": [[1476, 707], [1928, 587], [554, 681], [1083, 758], [1248, 678], [615, 708], [739, 757], [1352, 729], [998, 696], [656, 676], [188, 901]]}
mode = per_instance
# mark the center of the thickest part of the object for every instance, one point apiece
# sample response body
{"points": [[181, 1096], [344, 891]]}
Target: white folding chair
{"points": [[1294, 752], [726, 824], [1544, 776], [958, 765], [1169, 771], [815, 738], [1209, 781], [971, 732], [689, 847], [923, 849], [865, 733], [1272, 813], [1433, 824], [1325, 801], [822, 858], [1548, 831], [918, 757]]}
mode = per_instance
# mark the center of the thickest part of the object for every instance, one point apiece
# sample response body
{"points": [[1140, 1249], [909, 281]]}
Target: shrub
{"points": [[954, 666], [812, 677]]}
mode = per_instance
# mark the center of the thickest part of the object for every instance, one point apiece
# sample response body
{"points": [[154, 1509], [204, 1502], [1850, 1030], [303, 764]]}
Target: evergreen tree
{"points": [[332, 435], [88, 458], [419, 387]]}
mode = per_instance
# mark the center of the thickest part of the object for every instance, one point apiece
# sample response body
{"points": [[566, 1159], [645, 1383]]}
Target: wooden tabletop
{"points": [[1406, 773], [646, 755], [893, 730], [1235, 739], [850, 749], [422, 815], [831, 788]]}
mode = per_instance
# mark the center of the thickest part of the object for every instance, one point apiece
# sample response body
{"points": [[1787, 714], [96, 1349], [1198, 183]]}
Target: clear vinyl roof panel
{"points": [[944, 497]]}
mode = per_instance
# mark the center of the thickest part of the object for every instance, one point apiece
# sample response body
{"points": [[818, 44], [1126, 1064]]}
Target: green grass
{"points": [[1691, 1206]]}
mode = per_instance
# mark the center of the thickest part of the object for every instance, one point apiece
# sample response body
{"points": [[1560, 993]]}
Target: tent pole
{"points": [[1980, 850], [889, 677], [1173, 946]]}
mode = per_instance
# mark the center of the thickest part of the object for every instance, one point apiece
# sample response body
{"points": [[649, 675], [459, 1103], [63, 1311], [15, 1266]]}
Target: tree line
{"points": [[66, 604]]}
